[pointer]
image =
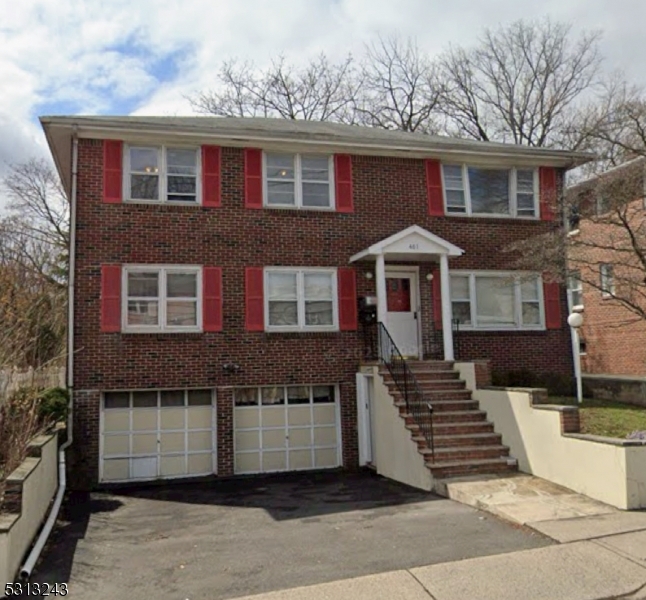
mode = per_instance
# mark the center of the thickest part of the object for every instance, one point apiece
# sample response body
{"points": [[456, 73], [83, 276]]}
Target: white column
{"points": [[447, 311], [380, 276]]}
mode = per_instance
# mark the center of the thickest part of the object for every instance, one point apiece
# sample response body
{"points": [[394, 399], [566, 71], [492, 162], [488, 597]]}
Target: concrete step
{"points": [[432, 385], [462, 468], [462, 428], [465, 453], [423, 376], [465, 439]]}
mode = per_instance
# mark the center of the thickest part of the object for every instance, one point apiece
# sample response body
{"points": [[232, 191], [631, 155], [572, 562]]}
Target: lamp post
{"points": [[575, 320]]}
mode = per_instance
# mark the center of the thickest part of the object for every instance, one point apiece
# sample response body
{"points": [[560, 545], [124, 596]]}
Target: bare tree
{"points": [[521, 83], [36, 231], [319, 91], [607, 227], [400, 87]]}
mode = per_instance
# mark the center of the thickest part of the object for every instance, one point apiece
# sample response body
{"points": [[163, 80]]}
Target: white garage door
{"points": [[157, 434], [286, 428]]}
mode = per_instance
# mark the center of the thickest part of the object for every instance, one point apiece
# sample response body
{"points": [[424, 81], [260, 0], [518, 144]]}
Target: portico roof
{"points": [[411, 244]]}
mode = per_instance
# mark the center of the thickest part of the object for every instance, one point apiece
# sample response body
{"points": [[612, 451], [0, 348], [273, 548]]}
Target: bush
{"points": [[54, 405]]}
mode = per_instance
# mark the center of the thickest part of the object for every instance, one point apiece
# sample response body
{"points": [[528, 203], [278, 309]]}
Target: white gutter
{"points": [[30, 562]]}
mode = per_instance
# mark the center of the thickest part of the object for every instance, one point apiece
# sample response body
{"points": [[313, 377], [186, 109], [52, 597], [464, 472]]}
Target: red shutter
{"points": [[252, 178], [255, 305], [212, 298], [347, 292], [110, 298], [112, 171], [343, 180], [436, 288], [552, 296], [547, 178], [211, 176], [434, 188]]}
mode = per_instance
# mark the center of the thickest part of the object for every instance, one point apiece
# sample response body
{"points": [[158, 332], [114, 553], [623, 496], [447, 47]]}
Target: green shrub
{"points": [[53, 405]]}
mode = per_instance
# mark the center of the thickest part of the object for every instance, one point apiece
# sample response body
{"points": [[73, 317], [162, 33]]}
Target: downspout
{"points": [[30, 562]]}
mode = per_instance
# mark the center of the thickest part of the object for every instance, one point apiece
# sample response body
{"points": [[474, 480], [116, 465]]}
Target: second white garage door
{"points": [[286, 428]]}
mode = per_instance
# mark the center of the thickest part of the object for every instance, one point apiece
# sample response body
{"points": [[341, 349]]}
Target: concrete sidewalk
{"points": [[601, 556], [576, 571]]}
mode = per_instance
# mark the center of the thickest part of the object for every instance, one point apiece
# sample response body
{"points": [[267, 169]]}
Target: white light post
{"points": [[575, 320]]}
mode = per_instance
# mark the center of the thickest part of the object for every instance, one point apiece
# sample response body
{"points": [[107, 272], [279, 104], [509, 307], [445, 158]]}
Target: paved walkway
{"points": [[601, 555]]}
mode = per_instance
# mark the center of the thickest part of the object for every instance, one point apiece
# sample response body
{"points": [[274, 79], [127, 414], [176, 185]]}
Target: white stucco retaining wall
{"points": [[39, 479], [396, 455], [610, 470]]}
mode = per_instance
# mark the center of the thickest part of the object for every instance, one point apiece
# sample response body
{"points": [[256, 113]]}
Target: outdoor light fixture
{"points": [[429, 277], [575, 321], [368, 275]]}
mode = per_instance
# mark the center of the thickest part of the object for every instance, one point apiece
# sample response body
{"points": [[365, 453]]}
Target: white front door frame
{"points": [[416, 298], [364, 418]]}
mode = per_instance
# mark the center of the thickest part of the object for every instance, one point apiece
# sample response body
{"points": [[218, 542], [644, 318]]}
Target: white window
{"points": [[472, 190], [162, 299], [607, 283], [497, 301], [299, 181], [300, 300], [162, 174], [575, 289]]}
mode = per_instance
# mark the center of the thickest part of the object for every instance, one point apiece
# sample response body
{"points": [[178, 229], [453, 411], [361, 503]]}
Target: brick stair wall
{"points": [[465, 441]]}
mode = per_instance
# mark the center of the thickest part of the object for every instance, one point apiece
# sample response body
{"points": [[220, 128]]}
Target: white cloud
{"points": [[93, 56]]}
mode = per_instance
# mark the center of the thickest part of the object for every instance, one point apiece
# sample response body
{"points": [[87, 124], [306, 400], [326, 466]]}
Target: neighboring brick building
{"points": [[604, 255], [218, 264]]}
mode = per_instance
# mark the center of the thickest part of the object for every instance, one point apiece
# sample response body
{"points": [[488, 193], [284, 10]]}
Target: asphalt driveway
{"points": [[230, 538]]}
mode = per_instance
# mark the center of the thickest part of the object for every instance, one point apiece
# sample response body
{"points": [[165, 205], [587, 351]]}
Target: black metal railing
{"points": [[416, 404]]}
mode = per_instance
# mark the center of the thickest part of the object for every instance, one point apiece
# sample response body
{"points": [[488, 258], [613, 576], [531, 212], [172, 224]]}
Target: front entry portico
{"points": [[412, 245]]}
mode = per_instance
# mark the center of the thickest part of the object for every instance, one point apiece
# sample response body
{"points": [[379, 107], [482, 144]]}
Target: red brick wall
{"points": [[389, 195], [615, 337]]}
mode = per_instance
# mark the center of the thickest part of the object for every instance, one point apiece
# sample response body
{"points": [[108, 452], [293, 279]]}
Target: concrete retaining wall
{"points": [[607, 469], [30, 489], [631, 390]]}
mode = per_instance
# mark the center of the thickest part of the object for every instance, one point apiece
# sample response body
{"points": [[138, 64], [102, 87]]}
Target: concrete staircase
{"points": [[465, 442]]}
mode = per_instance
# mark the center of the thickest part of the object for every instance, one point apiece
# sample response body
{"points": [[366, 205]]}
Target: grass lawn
{"points": [[603, 417]]}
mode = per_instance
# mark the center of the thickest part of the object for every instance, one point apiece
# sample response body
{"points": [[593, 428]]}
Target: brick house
{"points": [[218, 266], [604, 270]]}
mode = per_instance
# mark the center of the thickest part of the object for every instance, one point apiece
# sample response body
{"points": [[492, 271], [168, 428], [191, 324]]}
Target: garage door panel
{"points": [[172, 442], [116, 420], [273, 416], [273, 438], [274, 461], [173, 466], [116, 444], [144, 443], [116, 469], [325, 436], [144, 420], [143, 468], [247, 440], [248, 462], [247, 418], [299, 415], [300, 437], [199, 464], [300, 459], [200, 417], [200, 440], [172, 418], [325, 415], [326, 457]]}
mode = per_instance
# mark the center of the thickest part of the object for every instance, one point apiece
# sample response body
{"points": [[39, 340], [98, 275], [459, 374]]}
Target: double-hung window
{"points": [[607, 280], [162, 174], [161, 299], [301, 300], [483, 191], [497, 301], [575, 289], [299, 181]]}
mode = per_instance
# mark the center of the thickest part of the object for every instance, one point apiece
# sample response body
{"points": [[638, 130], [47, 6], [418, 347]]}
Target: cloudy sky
{"points": [[145, 56]]}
